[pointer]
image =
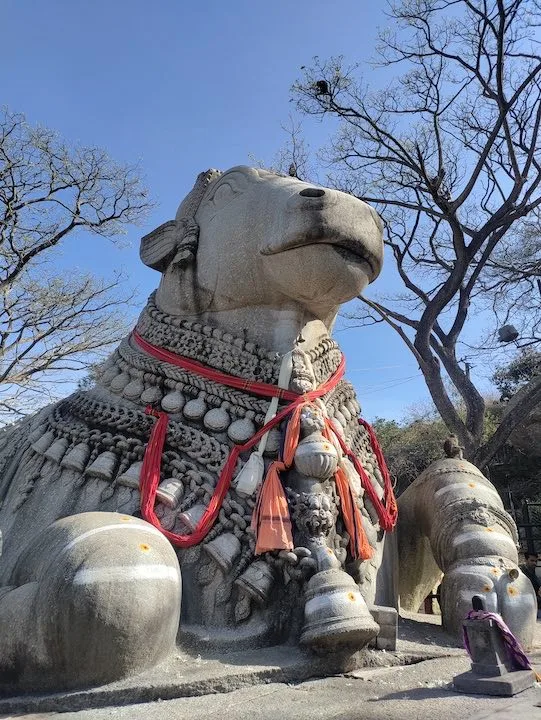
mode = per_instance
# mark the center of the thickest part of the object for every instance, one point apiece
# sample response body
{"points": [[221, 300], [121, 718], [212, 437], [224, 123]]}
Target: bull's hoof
{"points": [[97, 598], [335, 615]]}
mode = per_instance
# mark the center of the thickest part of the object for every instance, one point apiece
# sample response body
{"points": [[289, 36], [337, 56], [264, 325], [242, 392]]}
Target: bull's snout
{"points": [[311, 199], [315, 215]]}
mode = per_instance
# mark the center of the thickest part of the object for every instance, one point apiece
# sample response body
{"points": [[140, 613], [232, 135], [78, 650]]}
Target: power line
{"points": [[371, 389], [374, 369]]}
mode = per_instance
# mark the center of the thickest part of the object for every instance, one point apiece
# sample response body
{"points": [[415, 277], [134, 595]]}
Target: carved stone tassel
{"points": [[76, 458], [103, 466]]}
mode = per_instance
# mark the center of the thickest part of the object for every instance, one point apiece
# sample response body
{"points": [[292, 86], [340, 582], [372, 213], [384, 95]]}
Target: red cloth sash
{"points": [[271, 515]]}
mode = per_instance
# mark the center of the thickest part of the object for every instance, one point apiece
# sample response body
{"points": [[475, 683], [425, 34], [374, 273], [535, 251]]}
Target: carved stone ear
{"points": [[159, 246]]}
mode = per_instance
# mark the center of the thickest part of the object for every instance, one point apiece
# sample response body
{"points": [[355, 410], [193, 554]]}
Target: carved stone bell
{"points": [[37, 433], [223, 550], [190, 518], [103, 466], [57, 450], [131, 477], [257, 581], [170, 492], [43, 443], [335, 613]]}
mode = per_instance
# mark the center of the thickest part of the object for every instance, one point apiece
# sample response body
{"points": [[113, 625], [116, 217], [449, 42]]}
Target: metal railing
{"points": [[527, 517]]}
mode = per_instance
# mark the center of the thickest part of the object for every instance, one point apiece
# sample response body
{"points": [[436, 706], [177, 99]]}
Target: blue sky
{"points": [[180, 87]]}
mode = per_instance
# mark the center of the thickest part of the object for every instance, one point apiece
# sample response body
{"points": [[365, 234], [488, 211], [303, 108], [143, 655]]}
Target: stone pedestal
{"points": [[504, 685], [387, 619]]}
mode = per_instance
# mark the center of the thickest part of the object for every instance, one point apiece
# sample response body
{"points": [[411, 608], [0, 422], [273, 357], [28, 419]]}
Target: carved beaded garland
{"points": [[102, 435]]}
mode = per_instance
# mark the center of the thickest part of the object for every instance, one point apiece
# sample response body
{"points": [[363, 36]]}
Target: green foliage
{"points": [[410, 447], [514, 471], [513, 376]]}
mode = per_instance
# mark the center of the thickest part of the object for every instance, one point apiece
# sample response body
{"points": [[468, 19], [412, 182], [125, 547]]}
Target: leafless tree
{"points": [[512, 280], [293, 158], [52, 325], [449, 154]]}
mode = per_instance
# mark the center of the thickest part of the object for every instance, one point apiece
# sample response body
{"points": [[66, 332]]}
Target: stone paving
{"points": [[418, 691]]}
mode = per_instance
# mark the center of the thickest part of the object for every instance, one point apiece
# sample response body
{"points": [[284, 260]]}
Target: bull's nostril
{"points": [[312, 192]]}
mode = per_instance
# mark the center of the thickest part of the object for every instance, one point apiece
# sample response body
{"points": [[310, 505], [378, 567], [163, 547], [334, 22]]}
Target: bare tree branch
{"points": [[52, 326], [449, 154]]}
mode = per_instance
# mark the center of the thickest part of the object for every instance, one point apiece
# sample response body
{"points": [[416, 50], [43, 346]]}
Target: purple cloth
{"points": [[514, 649]]}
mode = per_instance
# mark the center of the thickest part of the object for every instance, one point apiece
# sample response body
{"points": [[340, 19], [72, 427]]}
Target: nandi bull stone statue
{"points": [[221, 439]]}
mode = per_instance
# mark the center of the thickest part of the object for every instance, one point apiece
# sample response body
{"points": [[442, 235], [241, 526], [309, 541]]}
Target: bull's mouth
{"points": [[352, 251]]}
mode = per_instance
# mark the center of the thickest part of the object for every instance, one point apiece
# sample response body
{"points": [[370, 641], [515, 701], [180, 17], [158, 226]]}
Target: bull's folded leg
{"points": [[96, 597], [452, 520]]}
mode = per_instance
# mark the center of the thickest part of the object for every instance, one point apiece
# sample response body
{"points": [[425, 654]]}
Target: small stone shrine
{"points": [[499, 665]]}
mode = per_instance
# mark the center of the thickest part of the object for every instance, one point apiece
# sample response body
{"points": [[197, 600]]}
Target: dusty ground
{"points": [[417, 691]]}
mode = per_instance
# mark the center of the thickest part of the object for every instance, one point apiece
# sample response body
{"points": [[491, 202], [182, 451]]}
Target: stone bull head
{"points": [[249, 238]]}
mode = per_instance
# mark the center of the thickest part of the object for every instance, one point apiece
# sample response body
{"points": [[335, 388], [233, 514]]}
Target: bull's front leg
{"points": [[94, 598], [452, 521]]}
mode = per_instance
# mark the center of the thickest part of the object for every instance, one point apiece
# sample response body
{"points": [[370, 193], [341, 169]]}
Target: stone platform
{"points": [[275, 681], [189, 676], [505, 685]]}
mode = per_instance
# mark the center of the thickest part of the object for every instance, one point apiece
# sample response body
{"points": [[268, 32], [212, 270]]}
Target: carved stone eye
{"points": [[223, 195], [230, 185]]}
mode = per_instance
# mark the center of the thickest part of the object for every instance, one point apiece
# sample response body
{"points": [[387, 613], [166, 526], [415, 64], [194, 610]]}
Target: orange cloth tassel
{"points": [[271, 522], [359, 547]]}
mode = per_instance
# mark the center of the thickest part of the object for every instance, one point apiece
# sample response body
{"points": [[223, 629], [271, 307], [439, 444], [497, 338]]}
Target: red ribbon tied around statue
{"points": [[151, 469]]}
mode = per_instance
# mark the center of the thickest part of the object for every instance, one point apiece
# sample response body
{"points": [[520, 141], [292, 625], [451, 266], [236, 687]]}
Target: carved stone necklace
{"points": [[141, 379], [106, 430]]}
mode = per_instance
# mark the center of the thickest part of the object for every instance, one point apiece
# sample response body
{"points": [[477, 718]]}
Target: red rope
{"points": [[150, 471], [257, 388], [387, 509]]}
